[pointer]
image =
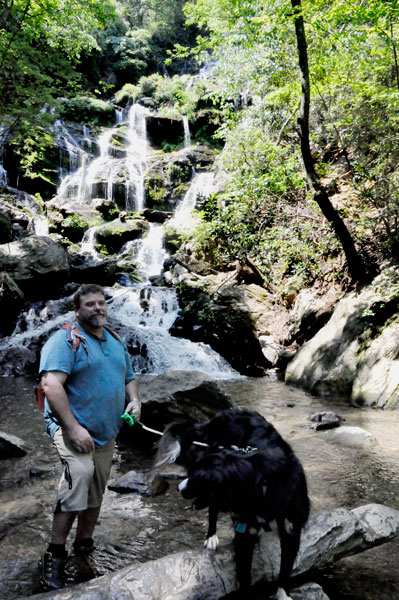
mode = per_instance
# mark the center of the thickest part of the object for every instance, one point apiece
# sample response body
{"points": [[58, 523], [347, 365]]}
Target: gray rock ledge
{"points": [[200, 574]]}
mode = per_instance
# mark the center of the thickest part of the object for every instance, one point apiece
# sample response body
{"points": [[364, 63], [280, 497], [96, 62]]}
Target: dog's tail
{"points": [[169, 447]]}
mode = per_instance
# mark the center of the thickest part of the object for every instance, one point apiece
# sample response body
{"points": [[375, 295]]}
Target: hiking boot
{"points": [[85, 554], [51, 569]]}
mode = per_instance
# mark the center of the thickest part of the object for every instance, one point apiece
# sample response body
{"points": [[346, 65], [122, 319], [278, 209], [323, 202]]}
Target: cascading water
{"points": [[147, 312], [187, 136], [3, 175], [201, 186], [136, 158]]}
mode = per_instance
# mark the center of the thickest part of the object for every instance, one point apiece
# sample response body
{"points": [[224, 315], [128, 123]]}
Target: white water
{"points": [[136, 158], [41, 225], [3, 175], [152, 254], [187, 136], [202, 185], [148, 312]]}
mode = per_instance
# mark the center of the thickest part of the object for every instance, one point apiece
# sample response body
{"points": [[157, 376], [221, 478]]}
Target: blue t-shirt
{"points": [[96, 381]]}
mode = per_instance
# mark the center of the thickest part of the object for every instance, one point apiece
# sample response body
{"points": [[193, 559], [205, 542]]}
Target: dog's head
{"points": [[224, 480]]}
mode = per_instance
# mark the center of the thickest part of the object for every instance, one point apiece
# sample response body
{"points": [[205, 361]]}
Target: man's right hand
{"points": [[80, 438], [53, 387]]}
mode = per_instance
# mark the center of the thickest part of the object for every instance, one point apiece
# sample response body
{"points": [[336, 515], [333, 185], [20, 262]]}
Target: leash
{"points": [[132, 419]]}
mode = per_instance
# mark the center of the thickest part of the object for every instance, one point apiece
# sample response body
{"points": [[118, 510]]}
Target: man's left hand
{"points": [[134, 408]]}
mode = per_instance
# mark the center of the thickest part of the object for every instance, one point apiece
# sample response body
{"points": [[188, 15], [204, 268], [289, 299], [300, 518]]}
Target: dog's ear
{"points": [[167, 453], [175, 439]]}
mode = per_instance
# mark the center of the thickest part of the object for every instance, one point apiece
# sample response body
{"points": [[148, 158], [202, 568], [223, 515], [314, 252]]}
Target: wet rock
{"points": [[171, 396], [147, 484], [116, 233], [309, 591], [324, 420], [37, 264], [200, 574], [86, 269], [11, 301], [12, 446], [156, 216], [353, 437], [226, 324], [16, 512], [180, 394]]}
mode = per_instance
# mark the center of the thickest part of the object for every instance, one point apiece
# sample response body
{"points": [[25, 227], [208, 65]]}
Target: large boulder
{"points": [[356, 352], [11, 301], [171, 396], [200, 574], [115, 234], [17, 212], [223, 320], [86, 269], [37, 264]]}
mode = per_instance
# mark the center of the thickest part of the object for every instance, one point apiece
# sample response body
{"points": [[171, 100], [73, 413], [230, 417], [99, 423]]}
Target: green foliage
{"points": [[88, 110], [37, 152], [76, 221], [39, 43]]}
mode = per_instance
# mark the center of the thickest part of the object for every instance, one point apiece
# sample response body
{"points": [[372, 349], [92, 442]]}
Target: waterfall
{"points": [[187, 137], [202, 185], [41, 225], [99, 166], [146, 312], [3, 176], [149, 312], [151, 255], [136, 157]]}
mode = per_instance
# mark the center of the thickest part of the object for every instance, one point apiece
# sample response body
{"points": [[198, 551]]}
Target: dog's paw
{"points": [[282, 595], [212, 543]]}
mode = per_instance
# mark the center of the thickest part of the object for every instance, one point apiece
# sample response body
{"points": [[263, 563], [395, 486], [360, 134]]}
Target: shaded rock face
{"points": [[161, 130], [85, 269], [11, 301], [223, 323], [37, 264], [356, 352]]}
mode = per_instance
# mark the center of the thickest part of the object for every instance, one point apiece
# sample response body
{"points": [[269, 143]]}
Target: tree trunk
{"points": [[354, 261]]}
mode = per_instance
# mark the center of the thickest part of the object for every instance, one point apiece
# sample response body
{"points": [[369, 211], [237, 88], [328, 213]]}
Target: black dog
{"points": [[238, 463]]}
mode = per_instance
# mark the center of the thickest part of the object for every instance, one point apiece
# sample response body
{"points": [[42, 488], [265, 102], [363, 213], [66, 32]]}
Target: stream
{"points": [[139, 528], [133, 527]]}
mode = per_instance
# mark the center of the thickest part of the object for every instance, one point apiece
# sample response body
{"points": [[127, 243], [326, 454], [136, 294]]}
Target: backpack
{"points": [[74, 337]]}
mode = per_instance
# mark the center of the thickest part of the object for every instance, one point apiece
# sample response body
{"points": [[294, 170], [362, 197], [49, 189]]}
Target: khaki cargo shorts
{"points": [[85, 476]]}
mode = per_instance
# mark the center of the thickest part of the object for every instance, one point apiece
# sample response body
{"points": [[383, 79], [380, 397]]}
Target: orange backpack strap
{"points": [[114, 334]]}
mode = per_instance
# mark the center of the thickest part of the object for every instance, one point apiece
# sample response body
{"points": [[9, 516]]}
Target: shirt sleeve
{"points": [[57, 354]]}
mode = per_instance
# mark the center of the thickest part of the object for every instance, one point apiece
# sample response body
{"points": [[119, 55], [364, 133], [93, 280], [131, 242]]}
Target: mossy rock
{"points": [[74, 227], [116, 233]]}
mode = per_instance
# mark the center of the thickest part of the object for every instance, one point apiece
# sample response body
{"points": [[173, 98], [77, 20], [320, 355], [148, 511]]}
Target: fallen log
{"points": [[200, 574]]}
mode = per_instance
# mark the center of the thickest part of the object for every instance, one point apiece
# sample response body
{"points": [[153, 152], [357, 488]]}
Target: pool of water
{"points": [[138, 528]]}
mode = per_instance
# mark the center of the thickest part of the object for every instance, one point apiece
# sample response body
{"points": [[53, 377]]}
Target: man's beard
{"points": [[97, 320]]}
